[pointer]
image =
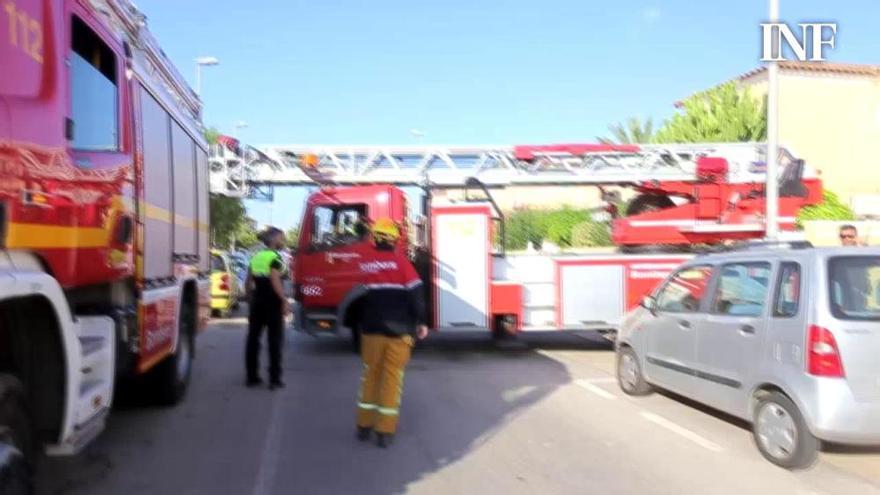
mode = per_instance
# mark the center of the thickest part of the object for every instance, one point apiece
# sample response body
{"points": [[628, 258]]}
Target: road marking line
{"points": [[607, 379], [682, 431], [265, 482], [595, 389]]}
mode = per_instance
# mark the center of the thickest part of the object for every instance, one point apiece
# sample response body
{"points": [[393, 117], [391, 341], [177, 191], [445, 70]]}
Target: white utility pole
{"points": [[200, 62], [772, 186]]}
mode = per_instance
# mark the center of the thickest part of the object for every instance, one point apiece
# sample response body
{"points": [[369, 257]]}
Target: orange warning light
{"points": [[310, 160]]}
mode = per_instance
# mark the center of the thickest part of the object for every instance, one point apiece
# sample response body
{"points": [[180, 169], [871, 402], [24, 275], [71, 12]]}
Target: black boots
{"points": [[384, 440], [253, 382], [276, 384], [363, 433]]}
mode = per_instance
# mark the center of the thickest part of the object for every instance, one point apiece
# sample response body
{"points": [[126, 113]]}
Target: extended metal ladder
{"points": [[237, 169]]}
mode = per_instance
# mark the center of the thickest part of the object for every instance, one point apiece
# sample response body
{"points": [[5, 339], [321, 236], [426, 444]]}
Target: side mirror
{"points": [[650, 304]]}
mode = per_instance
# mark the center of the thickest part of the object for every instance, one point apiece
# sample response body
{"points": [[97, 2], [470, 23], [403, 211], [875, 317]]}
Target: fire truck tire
{"points": [[629, 373], [644, 203], [171, 376], [16, 439]]}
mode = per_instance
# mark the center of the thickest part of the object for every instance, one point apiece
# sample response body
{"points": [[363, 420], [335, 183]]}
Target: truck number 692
{"points": [[312, 290], [25, 32]]}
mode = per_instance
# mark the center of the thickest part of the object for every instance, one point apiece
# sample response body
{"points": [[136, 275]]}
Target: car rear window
{"points": [[217, 264], [854, 285]]}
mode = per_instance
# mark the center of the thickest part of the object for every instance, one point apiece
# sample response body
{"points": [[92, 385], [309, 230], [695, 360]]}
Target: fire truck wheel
{"points": [[172, 375], [16, 440], [629, 373], [644, 203]]}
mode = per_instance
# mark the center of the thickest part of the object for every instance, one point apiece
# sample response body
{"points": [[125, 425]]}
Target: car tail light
{"points": [[823, 356]]}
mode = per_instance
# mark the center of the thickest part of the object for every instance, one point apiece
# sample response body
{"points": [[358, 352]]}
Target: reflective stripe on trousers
{"points": [[382, 380]]}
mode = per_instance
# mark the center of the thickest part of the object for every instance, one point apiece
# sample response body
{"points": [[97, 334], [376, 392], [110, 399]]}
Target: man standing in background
{"points": [[849, 235], [268, 306]]}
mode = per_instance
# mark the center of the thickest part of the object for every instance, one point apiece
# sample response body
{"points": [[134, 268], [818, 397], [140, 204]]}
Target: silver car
{"points": [[787, 339]]}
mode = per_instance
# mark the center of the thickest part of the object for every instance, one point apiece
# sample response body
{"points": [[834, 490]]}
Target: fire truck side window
{"points": [[684, 291], [338, 226], [94, 101]]}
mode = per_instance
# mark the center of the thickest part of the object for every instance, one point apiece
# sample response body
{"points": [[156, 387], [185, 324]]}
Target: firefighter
{"points": [[393, 315], [268, 306]]}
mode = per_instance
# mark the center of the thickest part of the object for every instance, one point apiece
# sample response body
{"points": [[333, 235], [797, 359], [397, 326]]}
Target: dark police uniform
{"points": [[266, 310]]}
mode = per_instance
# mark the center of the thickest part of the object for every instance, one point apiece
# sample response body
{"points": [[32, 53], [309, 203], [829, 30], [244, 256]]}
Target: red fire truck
{"points": [[685, 195], [103, 222]]}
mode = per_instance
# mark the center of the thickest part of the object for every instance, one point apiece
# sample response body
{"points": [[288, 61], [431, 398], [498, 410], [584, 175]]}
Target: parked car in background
{"points": [[226, 288], [787, 339], [240, 261]]}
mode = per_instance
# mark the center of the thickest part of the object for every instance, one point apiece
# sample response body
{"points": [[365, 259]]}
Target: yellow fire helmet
{"points": [[385, 230]]}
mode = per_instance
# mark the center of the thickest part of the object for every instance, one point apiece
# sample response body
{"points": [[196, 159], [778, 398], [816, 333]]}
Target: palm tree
{"points": [[633, 131]]}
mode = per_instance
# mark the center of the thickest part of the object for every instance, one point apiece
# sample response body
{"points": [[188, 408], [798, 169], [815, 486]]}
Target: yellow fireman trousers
{"points": [[382, 382]]}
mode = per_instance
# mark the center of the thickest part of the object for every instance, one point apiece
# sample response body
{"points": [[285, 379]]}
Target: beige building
{"points": [[829, 115]]}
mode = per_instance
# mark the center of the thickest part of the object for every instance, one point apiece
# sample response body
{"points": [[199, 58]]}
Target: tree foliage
{"points": [[211, 135], [724, 113], [292, 236], [633, 131], [227, 216], [565, 227], [246, 235], [831, 208]]}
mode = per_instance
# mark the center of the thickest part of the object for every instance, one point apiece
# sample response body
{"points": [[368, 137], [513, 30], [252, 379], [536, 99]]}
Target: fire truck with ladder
{"points": [[685, 195], [103, 223]]}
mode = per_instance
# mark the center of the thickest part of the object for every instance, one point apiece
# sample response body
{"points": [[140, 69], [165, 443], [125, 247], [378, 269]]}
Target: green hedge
{"points": [[591, 234], [557, 226], [831, 208]]}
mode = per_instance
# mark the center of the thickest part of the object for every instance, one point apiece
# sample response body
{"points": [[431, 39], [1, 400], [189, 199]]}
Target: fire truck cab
{"points": [[103, 223], [334, 240]]}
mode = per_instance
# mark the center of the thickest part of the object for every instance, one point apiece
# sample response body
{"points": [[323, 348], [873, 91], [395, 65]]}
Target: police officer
{"points": [[393, 314], [268, 306]]}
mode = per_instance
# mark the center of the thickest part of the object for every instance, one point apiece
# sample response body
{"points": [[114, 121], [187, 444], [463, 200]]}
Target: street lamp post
{"points": [[235, 127], [772, 186], [203, 61], [238, 125]]}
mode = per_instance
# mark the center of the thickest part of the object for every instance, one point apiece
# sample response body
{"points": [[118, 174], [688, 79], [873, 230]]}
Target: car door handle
{"points": [[684, 324], [747, 329]]}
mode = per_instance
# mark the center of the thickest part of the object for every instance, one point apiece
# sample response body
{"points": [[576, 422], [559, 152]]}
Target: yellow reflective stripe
{"points": [[388, 411], [184, 221], [53, 237], [364, 405], [153, 212]]}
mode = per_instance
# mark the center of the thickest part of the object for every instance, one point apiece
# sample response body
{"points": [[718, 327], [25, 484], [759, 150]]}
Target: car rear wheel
{"points": [[781, 433], [629, 373]]}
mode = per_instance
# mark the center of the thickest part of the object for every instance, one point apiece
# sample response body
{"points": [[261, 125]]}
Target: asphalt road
{"points": [[546, 419]]}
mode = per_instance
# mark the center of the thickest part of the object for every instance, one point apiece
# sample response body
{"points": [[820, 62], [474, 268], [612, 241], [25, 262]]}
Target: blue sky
{"points": [[468, 72]]}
